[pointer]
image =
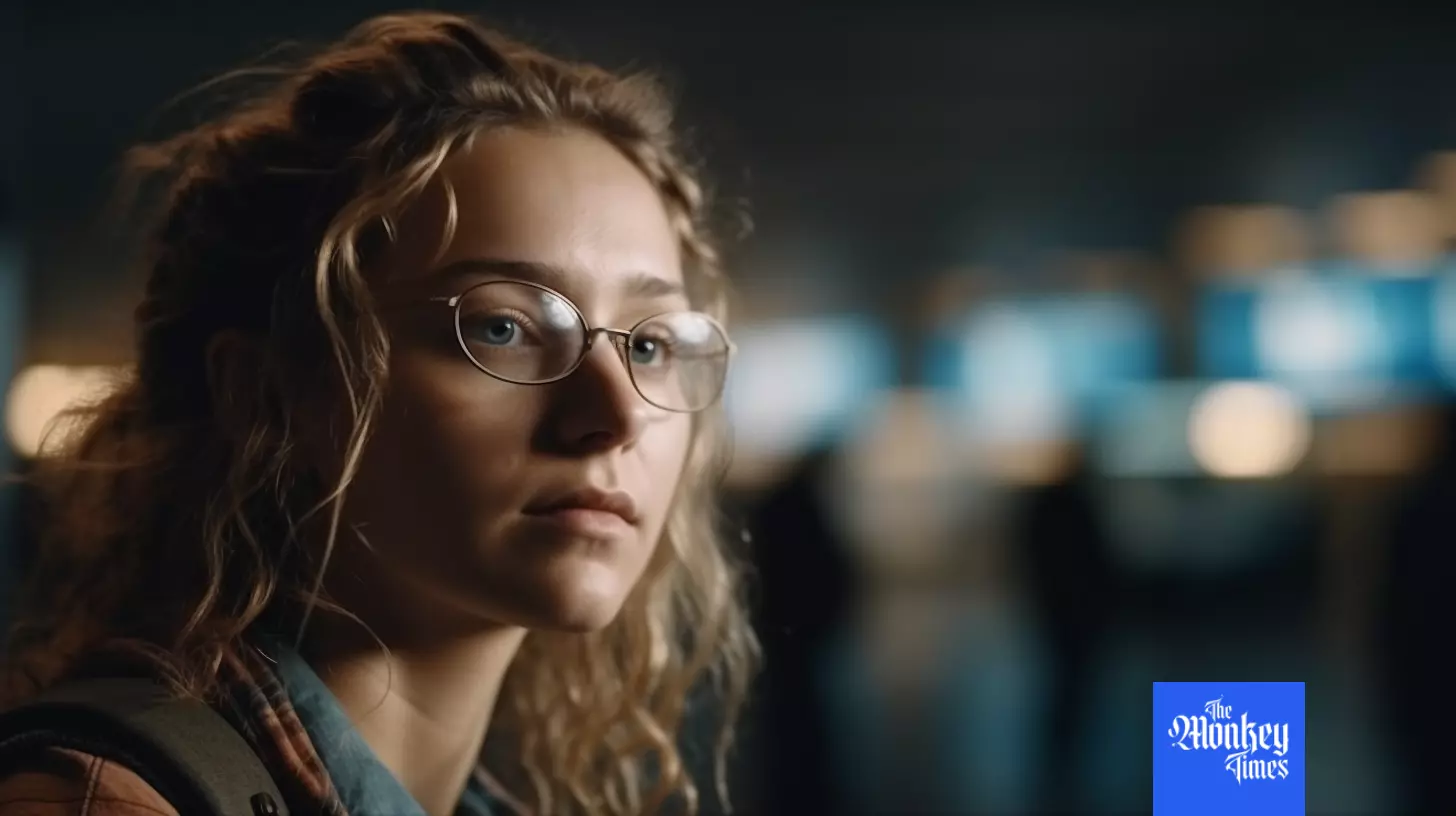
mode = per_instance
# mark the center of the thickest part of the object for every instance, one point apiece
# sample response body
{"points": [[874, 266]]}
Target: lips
{"points": [[589, 506]]}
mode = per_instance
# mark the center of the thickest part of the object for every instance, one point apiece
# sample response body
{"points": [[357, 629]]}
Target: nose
{"points": [[599, 408]]}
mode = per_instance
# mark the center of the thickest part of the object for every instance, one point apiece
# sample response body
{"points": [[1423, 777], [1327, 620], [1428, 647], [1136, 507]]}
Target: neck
{"points": [[423, 707]]}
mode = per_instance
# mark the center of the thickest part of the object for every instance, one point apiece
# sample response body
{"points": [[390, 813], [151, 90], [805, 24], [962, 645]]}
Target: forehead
{"points": [[566, 199]]}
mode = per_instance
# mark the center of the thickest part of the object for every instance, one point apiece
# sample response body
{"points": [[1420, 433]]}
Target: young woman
{"points": [[419, 447]]}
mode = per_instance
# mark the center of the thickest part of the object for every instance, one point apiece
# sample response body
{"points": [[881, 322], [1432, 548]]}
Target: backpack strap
{"points": [[193, 756]]}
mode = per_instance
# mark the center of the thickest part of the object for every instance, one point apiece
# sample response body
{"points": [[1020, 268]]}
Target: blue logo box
{"points": [[1228, 748]]}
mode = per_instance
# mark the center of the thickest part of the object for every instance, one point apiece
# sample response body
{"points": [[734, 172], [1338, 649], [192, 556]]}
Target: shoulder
{"points": [[56, 781]]}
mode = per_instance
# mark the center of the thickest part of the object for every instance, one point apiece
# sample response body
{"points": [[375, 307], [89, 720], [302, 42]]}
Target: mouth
{"points": [[590, 512]]}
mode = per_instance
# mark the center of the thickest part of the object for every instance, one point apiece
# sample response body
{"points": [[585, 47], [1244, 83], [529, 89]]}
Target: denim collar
{"points": [[365, 786]]}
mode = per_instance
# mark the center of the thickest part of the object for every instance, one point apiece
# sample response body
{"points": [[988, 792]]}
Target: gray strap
{"points": [[197, 741]]}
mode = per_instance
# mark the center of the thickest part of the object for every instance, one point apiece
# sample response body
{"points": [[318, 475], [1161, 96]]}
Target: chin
{"points": [[577, 615], [577, 598], [581, 624]]}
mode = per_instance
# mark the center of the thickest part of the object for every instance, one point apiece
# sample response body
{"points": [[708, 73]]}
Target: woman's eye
{"points": [[649, 351], [495, 331]]}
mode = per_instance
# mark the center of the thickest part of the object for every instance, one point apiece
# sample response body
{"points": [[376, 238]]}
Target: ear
{"points": [[234, 377]]}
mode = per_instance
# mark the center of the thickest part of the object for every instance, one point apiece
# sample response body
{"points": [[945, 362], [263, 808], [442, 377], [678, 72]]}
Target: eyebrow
{"points": [[637, 284]]}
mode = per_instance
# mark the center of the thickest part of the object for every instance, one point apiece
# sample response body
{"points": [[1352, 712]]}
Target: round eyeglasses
{"points": [[528, 334]]}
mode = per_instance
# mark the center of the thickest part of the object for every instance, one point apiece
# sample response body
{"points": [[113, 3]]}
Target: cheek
{"points": [[447, 444], [667, 458]]}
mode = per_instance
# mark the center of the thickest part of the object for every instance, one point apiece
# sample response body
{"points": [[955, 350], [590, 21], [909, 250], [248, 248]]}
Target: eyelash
{"points": [[518, 317]]}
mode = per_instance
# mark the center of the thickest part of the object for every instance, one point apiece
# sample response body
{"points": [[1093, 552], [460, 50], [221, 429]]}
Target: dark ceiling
{"points": [[876, 142]]}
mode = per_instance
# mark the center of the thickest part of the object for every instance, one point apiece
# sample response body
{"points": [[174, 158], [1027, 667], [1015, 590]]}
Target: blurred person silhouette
{"points": [[412, 483], [807, 585], [1415, 598], [1067, 566]]}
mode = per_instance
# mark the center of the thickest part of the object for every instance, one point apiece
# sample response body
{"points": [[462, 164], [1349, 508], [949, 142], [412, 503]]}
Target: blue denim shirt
{"points": [[364, 784]]}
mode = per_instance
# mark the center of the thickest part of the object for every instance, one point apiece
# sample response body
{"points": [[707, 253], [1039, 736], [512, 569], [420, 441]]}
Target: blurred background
{"points": [[1082, 347]]}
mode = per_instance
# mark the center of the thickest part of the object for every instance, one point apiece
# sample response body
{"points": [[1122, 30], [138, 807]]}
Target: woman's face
{"points": [[487, 501]]}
